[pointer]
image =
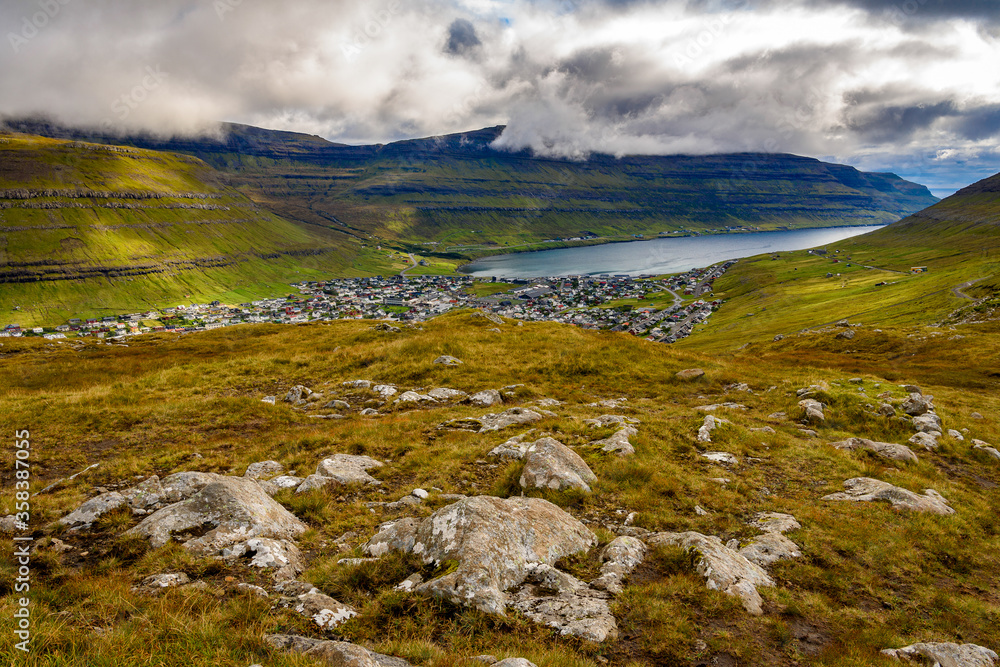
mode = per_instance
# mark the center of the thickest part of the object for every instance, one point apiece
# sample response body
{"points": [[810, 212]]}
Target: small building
{"points": [[918, 269]]}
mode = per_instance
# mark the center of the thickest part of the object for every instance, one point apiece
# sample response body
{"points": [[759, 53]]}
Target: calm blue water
{"points": [[667, 255]]}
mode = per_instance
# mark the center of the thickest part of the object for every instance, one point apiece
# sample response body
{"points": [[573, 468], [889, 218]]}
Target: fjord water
{"points": [[657, 256]]}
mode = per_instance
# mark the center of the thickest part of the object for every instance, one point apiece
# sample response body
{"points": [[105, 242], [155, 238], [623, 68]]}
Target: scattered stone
{"points": [[886, 450], [690, 374], [976, 416], [160, 581], [409, 583], [944, 655], [957, 435], [557, 600], [349, 469], [145, 495], [286, 482], [764, 429], [912, 389], [779, 337], [710, 424], [612, 403], [619, 442], [928, 422], [610, 420], [265, 553], [358, 384], [297, 393], [778, 416], [183, 485], [813, 410], [887, 410], [846, 335], [86, 514], [334, 653], [515, 662], [420, 493], [926, 440], [445, 394], [508, 418], [866, 489], [223, 513], [413, 397], [548, 403], [58, 545], [270, 400], [700, 511], [725, 458], [324, 610], [337, 405], [513, 449], [264, 470], [386, 391], [486, 399], [494, 542], [549, 464], [447, 360], [620, 557], [985, 447], [724, 569], [491, 659], [386, 327], [917, 405], [774, 522], [809, 433], [369, 412], [721, 406]]}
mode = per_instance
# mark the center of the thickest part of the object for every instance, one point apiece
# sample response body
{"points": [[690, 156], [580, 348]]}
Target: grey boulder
{"points": [[549, 464], [886, 450], [86, 514], [866, 489], [494, 541], [486, 399], [944, 655]]}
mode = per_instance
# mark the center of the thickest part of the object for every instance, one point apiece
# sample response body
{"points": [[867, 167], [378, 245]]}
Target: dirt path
{"points": [[957, 291]]}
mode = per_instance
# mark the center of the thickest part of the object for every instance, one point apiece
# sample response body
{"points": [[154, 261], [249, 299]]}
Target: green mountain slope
{"points": [[459, 192], [870, 278], [88, 228]]}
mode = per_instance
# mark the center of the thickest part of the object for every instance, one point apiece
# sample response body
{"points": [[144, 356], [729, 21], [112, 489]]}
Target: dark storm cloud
{"points": [[568, 77], [462, 37]]}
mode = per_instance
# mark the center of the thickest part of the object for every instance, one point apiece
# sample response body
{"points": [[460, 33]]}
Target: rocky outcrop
{"points": [[183, 485], [83, 517], [928, 441], [297, 394], [710, 424], [557, 600], [866, 489], [886, 450], [222, 514], [495, 422], [341, 470], [619, 558], [981, 446], [812, 411], [610, 420], [724, 458], [917, 404], [486, 398], [447, 360], [445, 394], [413, 398], [325, 611], [772, 546], [549, 464], [264, 470], [514, 449], [944, 655], [493, 541], [723, 568], [619, 442], [333, 653]]}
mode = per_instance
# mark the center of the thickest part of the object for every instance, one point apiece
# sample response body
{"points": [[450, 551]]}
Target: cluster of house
{"points": [[577, 300]]}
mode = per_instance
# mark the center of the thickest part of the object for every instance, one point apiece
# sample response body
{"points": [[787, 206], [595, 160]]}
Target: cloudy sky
{"points": [[909, 86]]}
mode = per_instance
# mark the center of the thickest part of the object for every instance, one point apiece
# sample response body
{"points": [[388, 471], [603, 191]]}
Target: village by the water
{"points": [[586, 301]]}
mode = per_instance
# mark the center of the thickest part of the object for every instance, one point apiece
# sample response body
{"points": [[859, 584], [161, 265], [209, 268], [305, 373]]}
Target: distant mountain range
{"points": [[459, 191]]}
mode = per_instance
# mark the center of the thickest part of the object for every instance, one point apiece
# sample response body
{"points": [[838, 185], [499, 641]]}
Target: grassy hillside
{"points": [[957, 241], [91, 229], [869, 577], [472, 200]]}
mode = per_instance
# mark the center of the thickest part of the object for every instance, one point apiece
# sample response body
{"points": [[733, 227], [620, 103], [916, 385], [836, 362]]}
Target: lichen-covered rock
{"points": [[724, 458], [721, 406], [447, 360], [83, 517], [944, 655], [297, 393], [183, 485], [325, 611], [334, 653], [813, 410], [492, 540], [928, 422], [158, 582], [549, 464], [917, 405], [610, 420], [508, 418], [886, 450], [982, 446], [349, 469], [486, 398], [445, 394], [386, 391], [619, 558], [145, 495], [264, 470], [413, 398], [281, 556], [619, 442], [557, 600], [866, 489], [710, 424], [723, 568], [928, 441], [769, 548], [232, 510], [774, 522], [689, 374], [514, 448]]}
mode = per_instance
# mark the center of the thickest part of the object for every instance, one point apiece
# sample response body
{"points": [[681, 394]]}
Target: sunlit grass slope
{"points": [[869, 578]]}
